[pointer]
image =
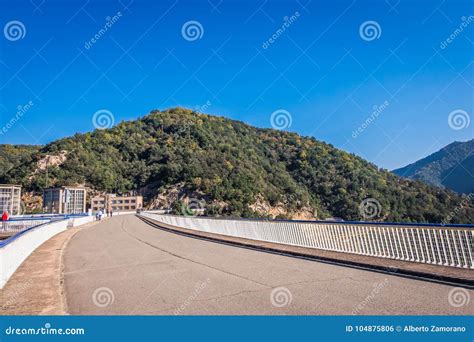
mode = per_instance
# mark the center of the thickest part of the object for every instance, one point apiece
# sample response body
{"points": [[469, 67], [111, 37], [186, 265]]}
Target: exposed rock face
{"points": [[172, 194], [262, 207], [31, 203], [47, 161], [51, 160], [195, 200]]}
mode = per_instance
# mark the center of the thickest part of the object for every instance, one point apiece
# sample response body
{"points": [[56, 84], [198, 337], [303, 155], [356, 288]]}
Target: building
{"points": [[98, 203], [116, 203], [64, 200], [10, 199]]}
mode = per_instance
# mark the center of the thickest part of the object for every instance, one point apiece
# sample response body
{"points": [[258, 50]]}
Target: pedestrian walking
{"points": [[4, 220]]}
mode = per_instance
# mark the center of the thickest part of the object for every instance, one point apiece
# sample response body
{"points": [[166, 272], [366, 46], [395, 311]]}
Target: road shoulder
{"points": [[36, 288]]}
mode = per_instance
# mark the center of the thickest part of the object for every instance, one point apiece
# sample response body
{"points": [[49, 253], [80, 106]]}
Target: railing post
{"points": [[469, 245], [317, 236], [423, 259], [393, 245], [440, 262], [449, 247], [399, 245], [355, 242], [415, 245], [405, 244], [368, 250], [464, 255], [385, 244], [328, 234], [446, 262], [455, 248], [324, 237], [349, 237], [378, 241]]}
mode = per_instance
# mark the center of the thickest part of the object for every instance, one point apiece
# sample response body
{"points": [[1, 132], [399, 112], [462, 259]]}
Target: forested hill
{"points": [[235, 168], [451, 167], [14, 155]]}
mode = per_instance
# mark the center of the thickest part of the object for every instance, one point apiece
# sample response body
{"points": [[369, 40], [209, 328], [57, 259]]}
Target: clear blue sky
{"points": [[319, 69]]}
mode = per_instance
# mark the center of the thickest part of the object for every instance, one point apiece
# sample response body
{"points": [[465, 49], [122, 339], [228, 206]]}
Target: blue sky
{"points": [[322, 70]]}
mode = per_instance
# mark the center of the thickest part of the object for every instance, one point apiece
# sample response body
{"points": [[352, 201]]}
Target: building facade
{"points": [[10, 199], [64, 200], [114, 203]]}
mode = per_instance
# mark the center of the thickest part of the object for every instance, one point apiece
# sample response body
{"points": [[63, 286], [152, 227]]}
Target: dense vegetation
{"points": [[233, 163], [14, 155], [451, 167]]}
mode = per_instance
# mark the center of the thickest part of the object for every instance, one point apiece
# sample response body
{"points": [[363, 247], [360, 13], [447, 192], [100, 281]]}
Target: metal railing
{"points": [[431, 244], [17, 225]]}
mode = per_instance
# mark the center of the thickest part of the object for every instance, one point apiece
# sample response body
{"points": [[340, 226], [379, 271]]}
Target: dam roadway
{"points": [[124, 266]]}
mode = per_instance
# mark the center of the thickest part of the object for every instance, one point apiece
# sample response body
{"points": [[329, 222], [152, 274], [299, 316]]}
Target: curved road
{"points": [[125, 266]]}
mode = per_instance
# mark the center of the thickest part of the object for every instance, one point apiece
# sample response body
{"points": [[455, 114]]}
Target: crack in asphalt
{"points": [[190, 260], [84, 270]]}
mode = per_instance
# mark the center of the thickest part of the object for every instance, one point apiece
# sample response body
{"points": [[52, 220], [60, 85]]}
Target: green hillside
{"points": [[14, 155], [231, 164]]}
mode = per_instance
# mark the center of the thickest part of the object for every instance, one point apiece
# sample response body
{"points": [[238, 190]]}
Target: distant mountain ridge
{"points": [[178, 156], [451, 167]]}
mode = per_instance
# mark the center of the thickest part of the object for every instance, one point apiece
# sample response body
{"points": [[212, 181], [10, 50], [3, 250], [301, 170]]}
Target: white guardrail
{"points": [[438, 245], [17, 226]]}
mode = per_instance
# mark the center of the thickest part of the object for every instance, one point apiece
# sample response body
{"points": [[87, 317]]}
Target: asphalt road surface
{"points": [[125, 266]]}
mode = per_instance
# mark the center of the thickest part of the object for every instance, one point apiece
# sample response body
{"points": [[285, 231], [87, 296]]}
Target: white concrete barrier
{"points": [[77, 221], [124, 212], [16, 249], [444, 245]]}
